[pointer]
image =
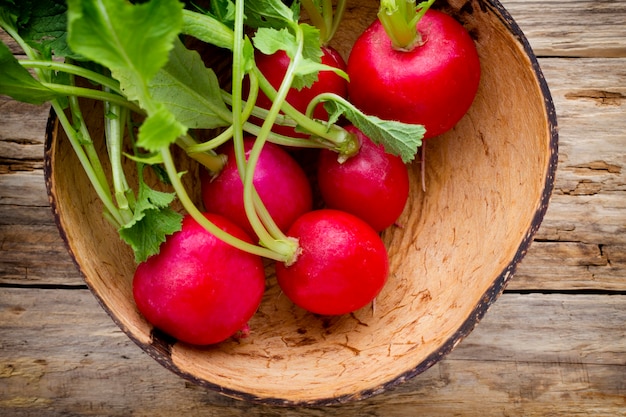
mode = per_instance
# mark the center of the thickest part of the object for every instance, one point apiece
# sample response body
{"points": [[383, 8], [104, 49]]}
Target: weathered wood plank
{"points": [[581, 266], [557, 28], [585, 226], [22, 135], [590, 99], [31, 249], [61, 355]]}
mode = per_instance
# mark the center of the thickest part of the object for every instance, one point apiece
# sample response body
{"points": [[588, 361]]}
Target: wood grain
{"points": [[565, 361], [572, 28], [585, 225]]}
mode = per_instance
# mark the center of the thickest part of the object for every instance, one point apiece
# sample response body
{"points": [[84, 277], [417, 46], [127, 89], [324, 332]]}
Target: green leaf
{"points": [[224, 11], [9, 13], [270, 40], [190, 90], [269, 13], [47, 28], [40, 23], [18, 83], [153, 220], [398, 138], [208, 29], [159, 129], [308, 71], [311, 48], [133, 41]]}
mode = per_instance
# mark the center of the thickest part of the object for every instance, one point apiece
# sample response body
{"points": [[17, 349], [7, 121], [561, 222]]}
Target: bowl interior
{"points": [[456, 245]]}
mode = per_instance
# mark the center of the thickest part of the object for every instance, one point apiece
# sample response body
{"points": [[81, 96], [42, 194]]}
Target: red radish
{"points": [[432, 83], [372, 185], [198, 288], [342, 267], [280, 182], [274, 67]]}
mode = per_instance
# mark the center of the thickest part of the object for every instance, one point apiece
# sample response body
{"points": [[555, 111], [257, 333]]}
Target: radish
{"points": [[425, 72], [198, 288], [373, 184], [342, 266], [280, 182]]}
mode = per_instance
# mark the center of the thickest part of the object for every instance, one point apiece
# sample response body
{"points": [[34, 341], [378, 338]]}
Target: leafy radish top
{"points": [[136, 64]]}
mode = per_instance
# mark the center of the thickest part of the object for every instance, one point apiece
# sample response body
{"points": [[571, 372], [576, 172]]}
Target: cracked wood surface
{"points": [[561, 353], [566, 363]]}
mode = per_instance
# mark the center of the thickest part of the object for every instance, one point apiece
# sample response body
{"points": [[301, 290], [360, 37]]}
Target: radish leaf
{"points": [[40, 23], [208, 29], [16, 81], [270, 13], [270, 40], [133, 41], [159, 129], [190, 90], [151, 223], [398, 138]]}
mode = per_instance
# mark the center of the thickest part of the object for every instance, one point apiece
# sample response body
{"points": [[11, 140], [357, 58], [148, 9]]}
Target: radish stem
{"points": [[194, 212], [324, 17], [270, 236], [400, 18], [74, 70]]}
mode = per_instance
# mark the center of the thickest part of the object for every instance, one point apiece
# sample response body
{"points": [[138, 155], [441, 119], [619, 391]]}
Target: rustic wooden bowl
{"points": [[458, 244]]}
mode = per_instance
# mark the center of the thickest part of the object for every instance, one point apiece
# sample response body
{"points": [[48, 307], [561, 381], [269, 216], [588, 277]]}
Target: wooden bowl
{"points": [[458, 244]]}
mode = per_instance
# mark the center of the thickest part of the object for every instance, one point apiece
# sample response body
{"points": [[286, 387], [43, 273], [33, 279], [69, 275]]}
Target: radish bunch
{"points": [[332, 260], [291, 98]]}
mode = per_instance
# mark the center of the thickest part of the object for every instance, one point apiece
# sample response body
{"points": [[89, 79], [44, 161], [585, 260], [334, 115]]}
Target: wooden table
{"points": [[554, 344]]}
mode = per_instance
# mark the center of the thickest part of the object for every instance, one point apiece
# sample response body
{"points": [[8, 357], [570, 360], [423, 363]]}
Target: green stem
{"points": [[197, 215], [103, 194], [213, 143], [68, 90], [86, 142], [31, 53], [338, 15], [229, 132], [400, 19], [246, 168], [422, 8], [317, 19], [266, 128], [95, 174], [251, 109], [114, 122], [237, 110], [286, 140], [327, 13], [325, 18], [103, 80], [212, 161], [332, 133]]}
